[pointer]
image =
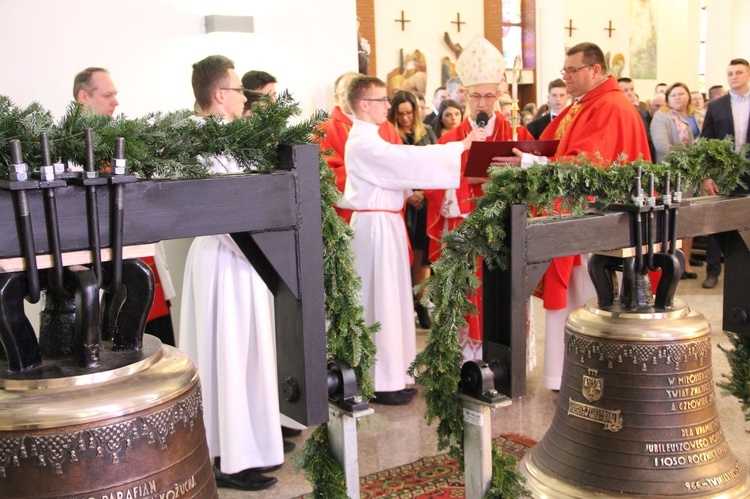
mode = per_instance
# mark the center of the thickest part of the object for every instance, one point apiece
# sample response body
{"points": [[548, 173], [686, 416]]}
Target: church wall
{"points": [[727, 38], [150, 45], [676, 24], [430, 19]]}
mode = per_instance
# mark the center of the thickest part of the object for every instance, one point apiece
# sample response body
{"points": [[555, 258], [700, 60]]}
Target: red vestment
{"points": [[603, 124], [336, 130], [437, 223]]}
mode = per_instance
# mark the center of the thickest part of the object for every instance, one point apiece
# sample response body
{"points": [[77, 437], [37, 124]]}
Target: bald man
{"points": [[94, 88]]}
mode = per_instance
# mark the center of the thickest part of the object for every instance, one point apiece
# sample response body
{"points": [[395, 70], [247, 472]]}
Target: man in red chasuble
{"points": [[603, 124]]}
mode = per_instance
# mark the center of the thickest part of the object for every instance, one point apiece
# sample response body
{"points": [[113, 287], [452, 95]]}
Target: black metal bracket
{"points": [[534, 243]]}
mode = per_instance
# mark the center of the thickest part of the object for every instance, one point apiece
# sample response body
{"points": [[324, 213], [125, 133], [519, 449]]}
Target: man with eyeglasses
{"points": [[380, 177], [227, 324], [603, 124], [335, 131], [481, 67]]}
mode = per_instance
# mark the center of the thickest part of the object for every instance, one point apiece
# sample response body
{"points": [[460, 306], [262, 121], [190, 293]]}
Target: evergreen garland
{"points": [[482, 233], [171, 145]]}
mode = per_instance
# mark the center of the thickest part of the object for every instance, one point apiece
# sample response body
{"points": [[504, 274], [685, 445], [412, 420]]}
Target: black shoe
{"points": [[391, 398], [290, 432], [710, 282], [409, 391], [694, 262], [267, 469], [689, 275], [289, 446], [244, 480], [423, 316], [264, 469]]}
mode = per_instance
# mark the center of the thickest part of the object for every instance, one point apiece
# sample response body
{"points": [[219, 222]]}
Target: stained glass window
{"points": [[512, 29]]}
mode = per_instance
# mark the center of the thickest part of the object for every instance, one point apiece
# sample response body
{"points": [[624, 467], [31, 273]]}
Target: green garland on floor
{"points": [[437, 367], [171, 145]]}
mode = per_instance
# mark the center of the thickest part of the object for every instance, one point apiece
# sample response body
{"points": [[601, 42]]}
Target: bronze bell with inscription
{"points": [[131, 428], [636, 414]]}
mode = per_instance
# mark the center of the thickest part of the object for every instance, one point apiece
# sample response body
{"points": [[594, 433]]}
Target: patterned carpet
{"points": [[434, 477]]}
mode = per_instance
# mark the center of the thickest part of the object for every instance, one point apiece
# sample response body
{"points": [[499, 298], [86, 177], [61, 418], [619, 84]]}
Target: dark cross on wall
{"points": [[610, 29], [402, 20], [570, 27], [458, 22]]}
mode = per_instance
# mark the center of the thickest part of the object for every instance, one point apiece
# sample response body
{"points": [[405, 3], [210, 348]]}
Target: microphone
{"points": [[482, 119]]}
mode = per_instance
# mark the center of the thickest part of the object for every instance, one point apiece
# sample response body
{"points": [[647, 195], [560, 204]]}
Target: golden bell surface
{"points": [[131, 430], [636, 413]]}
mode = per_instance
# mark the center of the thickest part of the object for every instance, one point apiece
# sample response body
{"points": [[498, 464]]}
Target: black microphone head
{"points": [[482, 119]]}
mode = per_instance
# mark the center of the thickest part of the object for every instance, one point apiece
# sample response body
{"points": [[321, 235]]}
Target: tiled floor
{"points": [[398, 435]]}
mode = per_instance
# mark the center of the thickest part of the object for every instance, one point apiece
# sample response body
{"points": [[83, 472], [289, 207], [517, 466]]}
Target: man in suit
{"points": [[726, 115], [557, 99], [441, 94]]}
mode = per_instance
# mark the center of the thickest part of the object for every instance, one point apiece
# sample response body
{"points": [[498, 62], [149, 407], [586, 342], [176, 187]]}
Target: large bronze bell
{"points": [[636, 413], [131, 430]]}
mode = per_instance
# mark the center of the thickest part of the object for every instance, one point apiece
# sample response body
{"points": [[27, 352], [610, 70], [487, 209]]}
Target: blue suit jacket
{"points": [[719, 122]]}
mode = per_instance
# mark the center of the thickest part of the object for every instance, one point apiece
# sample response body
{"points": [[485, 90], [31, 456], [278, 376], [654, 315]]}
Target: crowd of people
{"points": [[400, 173]]}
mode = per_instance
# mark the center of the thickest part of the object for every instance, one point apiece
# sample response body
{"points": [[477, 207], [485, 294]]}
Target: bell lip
{"points": [[657, 326], [162, 375], [545, 486]]}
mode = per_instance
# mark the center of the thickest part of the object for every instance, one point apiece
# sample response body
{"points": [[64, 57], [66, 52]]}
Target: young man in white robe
{"points": [[379, 179], [227, 325]]}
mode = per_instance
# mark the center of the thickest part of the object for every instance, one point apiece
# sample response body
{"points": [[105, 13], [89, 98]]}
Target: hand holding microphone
{"points": [[478, 134]]}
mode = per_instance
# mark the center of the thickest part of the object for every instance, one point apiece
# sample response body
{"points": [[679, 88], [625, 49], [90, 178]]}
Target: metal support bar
{"points": [[342, 438], [478, 445]]}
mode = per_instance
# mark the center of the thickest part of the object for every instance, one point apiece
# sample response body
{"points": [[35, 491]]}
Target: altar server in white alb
{"points": [[227, 325], [379, 179]]}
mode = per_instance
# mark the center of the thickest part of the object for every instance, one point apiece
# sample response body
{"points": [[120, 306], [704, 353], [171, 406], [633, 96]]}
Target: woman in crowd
{"points": [[451, 114], [404, 114], [677, 123]]}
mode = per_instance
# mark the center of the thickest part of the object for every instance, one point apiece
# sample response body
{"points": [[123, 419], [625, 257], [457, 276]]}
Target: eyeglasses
{"points": [[236, 89], [381, 99], [571, 71], [486, 97]]}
